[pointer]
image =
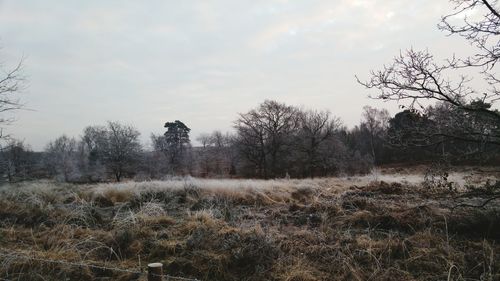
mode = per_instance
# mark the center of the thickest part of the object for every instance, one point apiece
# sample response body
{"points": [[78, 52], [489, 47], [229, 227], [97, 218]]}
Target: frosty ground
{"points": [[384, 226]]}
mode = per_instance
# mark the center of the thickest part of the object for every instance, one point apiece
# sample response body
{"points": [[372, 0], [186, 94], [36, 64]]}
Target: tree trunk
{"points": [[373, 149]]}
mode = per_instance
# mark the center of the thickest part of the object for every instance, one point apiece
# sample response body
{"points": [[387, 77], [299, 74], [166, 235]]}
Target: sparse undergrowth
{"points": [[325, 229]]}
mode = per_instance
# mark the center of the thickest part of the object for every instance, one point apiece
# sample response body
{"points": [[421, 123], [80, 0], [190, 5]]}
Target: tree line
{"points": [[273, 140]]}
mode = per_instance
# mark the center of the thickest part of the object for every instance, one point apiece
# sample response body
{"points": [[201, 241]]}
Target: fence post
{"points": [[155, 271]]}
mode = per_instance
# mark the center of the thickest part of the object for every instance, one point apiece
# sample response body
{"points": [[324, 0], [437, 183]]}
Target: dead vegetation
{"points": [[324, 229]]}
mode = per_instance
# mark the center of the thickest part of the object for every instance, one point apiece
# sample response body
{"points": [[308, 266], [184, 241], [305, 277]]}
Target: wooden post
{"points": [[155, 271]]}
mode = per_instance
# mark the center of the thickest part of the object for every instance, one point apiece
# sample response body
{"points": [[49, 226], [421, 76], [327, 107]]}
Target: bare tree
{"points": [[16, 161], [316, 130], [415, 76], [264, 136], [251, 141], [60, 158], [214, 155], [222, 152], [279, 121], [481, 32], [11, 82], [204, 155], [375, 122], [124, 148], [116, 146]]}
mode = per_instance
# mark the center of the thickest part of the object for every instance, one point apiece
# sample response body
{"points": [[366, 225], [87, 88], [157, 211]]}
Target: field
{"points": [[384, 226]]}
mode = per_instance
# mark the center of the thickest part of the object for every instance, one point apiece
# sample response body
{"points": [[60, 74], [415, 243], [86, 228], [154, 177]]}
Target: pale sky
{"points": [[147, 62]]}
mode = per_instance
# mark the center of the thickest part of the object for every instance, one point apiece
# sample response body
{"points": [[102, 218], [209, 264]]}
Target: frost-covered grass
{"points": [[375, 227], [47, 192], [208, 184]]}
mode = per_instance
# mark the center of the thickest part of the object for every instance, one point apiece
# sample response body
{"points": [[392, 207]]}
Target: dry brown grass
{"points": [[324, 229]]}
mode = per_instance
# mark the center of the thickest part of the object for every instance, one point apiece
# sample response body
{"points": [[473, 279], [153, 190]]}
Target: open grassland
{"points": [[377, 227]]}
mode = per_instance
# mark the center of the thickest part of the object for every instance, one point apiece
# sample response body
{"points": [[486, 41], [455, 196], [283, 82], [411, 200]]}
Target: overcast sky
{"points": [[147, 62]]}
